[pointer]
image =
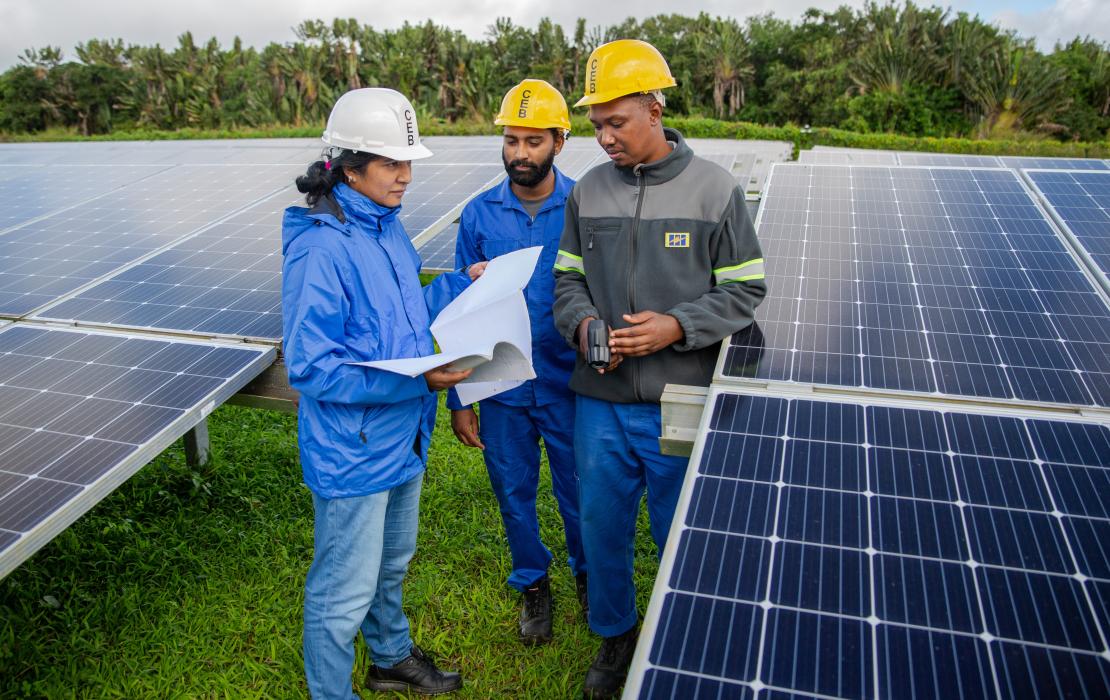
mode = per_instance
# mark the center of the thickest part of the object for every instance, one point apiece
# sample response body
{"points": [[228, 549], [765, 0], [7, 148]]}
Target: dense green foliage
{"points": [[187, 583], [893, 68]]}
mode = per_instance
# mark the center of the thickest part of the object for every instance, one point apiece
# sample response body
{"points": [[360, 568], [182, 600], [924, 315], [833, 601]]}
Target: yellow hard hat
{"points": [[536, 104], [624, 67]]}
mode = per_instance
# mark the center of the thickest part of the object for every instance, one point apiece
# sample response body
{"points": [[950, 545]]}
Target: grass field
{"points": [[188, 583]]}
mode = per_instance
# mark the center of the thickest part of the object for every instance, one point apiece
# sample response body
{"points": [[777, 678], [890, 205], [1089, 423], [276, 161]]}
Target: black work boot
{"points": [[583, 595], [417, 673], [609, 669], [535, 613]]}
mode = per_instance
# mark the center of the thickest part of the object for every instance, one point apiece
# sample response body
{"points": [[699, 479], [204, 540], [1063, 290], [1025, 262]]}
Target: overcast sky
{"points": [[36, 23]]}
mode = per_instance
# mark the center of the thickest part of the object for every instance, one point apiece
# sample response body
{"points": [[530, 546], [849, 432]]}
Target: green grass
{"points": [[188, 583]]}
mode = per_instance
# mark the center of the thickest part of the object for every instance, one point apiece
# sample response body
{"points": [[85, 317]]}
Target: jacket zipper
{"points": [[632, 274]]}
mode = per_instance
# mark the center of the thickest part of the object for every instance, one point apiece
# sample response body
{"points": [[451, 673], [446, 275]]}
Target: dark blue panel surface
{"points": [[45, 259], [891, 552], [931, 280], [1082, 201], [77, 406]]}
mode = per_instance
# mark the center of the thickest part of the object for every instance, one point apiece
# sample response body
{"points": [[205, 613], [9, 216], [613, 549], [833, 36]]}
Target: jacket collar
{"points": [[503, 194], [664, 169], [344, 203]]}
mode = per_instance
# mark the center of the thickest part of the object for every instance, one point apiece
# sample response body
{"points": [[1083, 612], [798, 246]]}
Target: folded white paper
{"points": [[486, 328]]}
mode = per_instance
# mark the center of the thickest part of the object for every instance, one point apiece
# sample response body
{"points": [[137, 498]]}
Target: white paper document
{"points": [[485, 328]]}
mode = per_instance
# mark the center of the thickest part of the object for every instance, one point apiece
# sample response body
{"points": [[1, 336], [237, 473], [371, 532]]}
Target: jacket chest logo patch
{"points": [[676, 240]]}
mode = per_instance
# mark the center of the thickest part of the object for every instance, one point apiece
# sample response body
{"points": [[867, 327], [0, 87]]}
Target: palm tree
{"points": [[1013, 87], [723, 49]]}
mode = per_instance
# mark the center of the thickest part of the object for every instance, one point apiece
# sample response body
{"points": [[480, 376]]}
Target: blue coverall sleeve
{"points": [[466, 254], [316, 355]]}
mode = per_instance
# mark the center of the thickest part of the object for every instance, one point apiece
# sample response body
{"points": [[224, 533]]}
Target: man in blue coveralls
{"points": [[526, 210]]}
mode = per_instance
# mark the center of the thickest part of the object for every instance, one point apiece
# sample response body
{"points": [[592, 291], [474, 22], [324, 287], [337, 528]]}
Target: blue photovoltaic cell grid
{"points": [[1053, 163], [224, 281], [934, 280], [949, 159], [839, 550], [31, 191], [46, 259], [439, 190], [848, 157], [1082, 201], [227, 279], [438, 254], [76, 408]]}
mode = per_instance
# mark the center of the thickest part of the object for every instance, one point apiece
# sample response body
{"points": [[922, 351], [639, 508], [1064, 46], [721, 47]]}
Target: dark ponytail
{"points": [[322, 176]]}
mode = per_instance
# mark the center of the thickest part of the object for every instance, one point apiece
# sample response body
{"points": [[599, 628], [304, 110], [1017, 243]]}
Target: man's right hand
{"points": [[465, 425], [583, 341], [444, 378]]}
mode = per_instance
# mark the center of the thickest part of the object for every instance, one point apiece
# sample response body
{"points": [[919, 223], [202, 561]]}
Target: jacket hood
{"points": [[664, 169]]}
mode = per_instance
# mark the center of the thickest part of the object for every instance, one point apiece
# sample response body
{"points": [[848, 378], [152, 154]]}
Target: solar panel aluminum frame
{"points": [[1069, 236], [65, 516], [720, 378], [651, 621]]}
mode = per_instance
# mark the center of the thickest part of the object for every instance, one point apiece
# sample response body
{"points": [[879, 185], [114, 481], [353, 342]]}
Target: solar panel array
{"points": [[824, 155], [44, 259], [81, 411], [1080, 201], [932, 280], [938, 528], [868, 549]]}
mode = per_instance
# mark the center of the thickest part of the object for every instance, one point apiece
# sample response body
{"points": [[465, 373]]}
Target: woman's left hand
{"points": [[475, 271]]}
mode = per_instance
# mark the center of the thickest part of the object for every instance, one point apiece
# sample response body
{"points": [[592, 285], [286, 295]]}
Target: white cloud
{"points": [[1062, 22]]}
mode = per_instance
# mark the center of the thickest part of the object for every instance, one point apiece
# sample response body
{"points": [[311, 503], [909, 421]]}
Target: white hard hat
{"points": [[375, 120]]}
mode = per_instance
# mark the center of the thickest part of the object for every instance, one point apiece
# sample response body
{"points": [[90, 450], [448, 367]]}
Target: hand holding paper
{"points": [[486, 328]]}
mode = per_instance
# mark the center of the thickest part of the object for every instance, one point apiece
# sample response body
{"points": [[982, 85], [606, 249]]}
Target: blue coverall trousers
{"points": [[511, 435], [617, 446]]}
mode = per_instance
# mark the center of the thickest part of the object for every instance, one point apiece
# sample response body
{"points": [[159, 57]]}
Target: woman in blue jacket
{"points": [[351, 293]]}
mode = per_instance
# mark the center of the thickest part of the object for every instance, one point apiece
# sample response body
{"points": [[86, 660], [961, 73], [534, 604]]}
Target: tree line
{"points": [[896, 68]]}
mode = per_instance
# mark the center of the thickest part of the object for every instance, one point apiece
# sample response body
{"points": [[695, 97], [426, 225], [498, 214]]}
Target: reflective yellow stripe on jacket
{"points": [[569, 262], [745, 271]]}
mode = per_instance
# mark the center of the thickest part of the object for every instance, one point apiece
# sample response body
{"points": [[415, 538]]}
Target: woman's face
{"points": [[384, 180]]}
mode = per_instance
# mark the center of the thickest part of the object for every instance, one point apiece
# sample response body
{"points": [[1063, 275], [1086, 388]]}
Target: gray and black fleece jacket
{"points": [[673, 236]]}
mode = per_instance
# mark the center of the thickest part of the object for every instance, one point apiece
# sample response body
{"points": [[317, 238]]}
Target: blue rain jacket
{"points": [[495, 223], [351, 292]]}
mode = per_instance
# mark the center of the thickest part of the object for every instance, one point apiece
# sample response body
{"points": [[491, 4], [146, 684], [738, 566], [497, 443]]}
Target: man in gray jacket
{"points": [[658, 244]]}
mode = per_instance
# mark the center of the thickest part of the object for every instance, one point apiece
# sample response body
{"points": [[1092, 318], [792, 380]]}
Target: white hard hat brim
{"points": [[415, 152]]}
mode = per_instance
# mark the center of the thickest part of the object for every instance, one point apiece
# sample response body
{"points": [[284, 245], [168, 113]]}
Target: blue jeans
{"points": [[617, 446], [362, 550], [511, 435]]}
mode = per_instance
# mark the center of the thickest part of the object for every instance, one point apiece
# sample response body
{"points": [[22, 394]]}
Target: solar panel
{"points": [[880, 550], [1053, 163], [438, 193], [225, 281], [935, 280], [82, 411], [848, 156], [1080, 201], [438, 253], [31, 192], [46, 259], [949, 159]]}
